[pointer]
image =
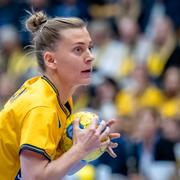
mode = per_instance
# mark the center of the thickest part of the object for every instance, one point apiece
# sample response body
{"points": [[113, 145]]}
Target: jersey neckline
{"points": [[66, 108]]}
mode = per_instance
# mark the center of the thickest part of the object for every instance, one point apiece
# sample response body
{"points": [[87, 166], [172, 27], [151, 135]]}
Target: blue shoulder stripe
{"points": [[34, 149]]}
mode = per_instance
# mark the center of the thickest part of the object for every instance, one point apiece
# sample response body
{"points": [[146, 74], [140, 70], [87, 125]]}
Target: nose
{"points": [[89, 57]]}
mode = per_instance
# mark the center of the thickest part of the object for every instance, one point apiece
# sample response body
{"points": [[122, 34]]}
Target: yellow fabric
{"points": [[32, 119], [128, 103], [170, 108], [125, 103], [19, 63], [87, 173], [159, 57], [155, 65], [127, 67]]}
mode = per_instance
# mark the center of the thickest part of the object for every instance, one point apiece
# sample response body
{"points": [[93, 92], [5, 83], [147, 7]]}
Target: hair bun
{"points": [[35, 21]]}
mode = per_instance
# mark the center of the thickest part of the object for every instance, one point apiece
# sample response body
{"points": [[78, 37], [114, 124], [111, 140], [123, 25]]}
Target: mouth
{"points": [[87, 71]]}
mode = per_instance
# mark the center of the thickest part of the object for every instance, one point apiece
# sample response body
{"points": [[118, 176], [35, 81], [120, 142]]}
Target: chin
{"points": [[85, 82]]}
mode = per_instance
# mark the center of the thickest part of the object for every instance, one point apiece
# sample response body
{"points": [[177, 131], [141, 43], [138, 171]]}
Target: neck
{"points": [[65, 91]]}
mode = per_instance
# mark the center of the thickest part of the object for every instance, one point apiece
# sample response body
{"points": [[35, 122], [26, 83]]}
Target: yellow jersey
{"points": [[32, 119], [128, 103]]}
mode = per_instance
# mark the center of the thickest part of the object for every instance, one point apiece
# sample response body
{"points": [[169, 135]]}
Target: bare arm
{"points": [[77, 167], [35, 166]]}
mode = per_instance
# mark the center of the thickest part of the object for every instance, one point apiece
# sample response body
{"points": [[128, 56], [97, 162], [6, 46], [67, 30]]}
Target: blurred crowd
{"points": [[136, 77]]}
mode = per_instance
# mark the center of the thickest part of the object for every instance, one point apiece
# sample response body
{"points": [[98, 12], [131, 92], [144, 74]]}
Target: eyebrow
{"points": [[82, 43]]}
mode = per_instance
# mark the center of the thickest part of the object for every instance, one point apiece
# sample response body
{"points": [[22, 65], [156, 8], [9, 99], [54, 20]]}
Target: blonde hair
{"points": [[47, 31]]}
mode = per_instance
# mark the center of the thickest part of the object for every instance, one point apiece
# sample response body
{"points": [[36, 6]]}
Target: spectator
{"points": [[165, 51], [171, 93], [140, 92], [105, 94], [13, 58], [152, 147], [135, 46], [107, 51]]}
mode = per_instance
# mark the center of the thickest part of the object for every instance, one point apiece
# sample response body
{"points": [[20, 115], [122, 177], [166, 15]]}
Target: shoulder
{"points": [[33, 93]]}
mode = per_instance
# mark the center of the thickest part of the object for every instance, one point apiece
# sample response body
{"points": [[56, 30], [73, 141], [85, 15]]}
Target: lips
{"points": [[87, 71]]}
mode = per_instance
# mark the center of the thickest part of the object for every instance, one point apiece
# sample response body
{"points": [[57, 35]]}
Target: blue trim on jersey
{"points": [[34, 149], [18, 176]]}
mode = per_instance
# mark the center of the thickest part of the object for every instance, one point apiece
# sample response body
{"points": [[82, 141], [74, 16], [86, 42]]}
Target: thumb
{"points": [[75, 125]]}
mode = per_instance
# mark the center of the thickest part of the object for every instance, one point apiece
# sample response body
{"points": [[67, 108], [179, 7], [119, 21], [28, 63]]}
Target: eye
{"points": [[90, 48], [78, 50]]}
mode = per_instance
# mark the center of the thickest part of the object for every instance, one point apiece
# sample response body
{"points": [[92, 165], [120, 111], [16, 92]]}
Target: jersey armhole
{"points": [[34, 149]]}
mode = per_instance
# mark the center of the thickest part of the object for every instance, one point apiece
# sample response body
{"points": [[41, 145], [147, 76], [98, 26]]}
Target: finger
{"points": [[114, 135], [105, 134], [75, 125], [105, 144], [113, 145], [101, 126], [111, 152], [94, 124], [110, 122]]}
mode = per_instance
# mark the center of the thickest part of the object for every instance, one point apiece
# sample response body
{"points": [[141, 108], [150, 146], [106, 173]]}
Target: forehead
{"points": [[75, 35]]}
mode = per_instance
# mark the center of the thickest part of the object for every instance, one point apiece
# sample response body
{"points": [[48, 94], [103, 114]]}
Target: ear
{"points": [[49, 59]]}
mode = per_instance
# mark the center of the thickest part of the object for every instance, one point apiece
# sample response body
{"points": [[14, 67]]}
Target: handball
{"points": [[85, 120]]}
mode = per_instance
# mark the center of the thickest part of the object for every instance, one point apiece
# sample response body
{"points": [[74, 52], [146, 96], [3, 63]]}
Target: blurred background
{"points": [[136, 78]]}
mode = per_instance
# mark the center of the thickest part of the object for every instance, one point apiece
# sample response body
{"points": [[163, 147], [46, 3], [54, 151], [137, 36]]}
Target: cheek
{"points": [[68, 69]]}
